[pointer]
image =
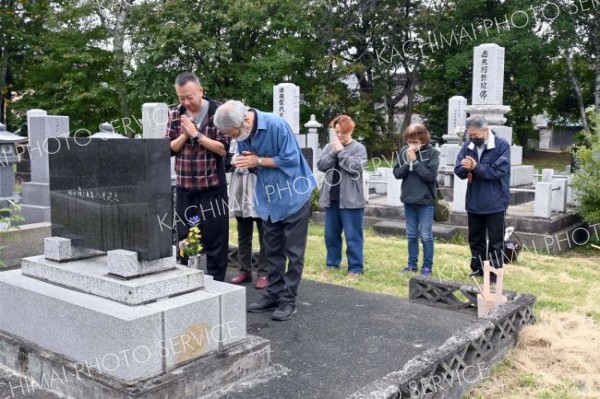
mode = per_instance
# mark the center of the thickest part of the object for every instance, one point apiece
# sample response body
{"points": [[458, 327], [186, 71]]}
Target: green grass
{"points": [[547, 160]]}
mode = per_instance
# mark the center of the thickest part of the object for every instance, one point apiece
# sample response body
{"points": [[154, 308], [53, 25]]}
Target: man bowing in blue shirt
{"points": [[284, 185]]}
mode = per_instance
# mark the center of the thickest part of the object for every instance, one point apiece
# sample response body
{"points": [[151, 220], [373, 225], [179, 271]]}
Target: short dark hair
{"points": [[187, 77]]}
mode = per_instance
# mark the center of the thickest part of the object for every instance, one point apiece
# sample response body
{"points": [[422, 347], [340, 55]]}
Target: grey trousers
{"points": [[286, 243]]}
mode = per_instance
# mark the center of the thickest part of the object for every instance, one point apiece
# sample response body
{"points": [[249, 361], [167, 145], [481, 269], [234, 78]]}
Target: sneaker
{"points": [[426, 272], [264, 304], [409, 269], [285, 311], [353, 276]]}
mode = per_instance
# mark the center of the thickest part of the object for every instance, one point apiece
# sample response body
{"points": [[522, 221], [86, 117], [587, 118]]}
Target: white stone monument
{"points": [[488, 88], [155, 117], [35, 196], [286, 103], [31, 113], [457, 117]]}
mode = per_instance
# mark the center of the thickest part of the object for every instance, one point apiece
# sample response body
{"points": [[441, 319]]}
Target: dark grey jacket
{"points": [[353, 159], [418, 185]]}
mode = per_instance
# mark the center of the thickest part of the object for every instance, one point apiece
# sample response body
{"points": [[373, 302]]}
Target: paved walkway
{"points": [[342, 339]]}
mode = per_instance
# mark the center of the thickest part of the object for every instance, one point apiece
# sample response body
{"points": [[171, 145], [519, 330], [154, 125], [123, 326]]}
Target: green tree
{"points": [[69, 70], [575, 30], [470, 23], [239, 49], [20, 23], [587, 178], [371, 43]]}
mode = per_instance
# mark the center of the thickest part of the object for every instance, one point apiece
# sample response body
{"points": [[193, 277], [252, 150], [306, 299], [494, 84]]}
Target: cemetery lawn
{"points": [[559, 357], [547, 160]]}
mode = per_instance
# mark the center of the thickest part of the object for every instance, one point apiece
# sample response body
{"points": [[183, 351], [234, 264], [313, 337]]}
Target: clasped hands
{"points": [[469, 163], [246, 159], [189, 127]]}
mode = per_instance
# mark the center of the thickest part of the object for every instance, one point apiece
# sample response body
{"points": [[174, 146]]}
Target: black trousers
{"points": [[245, 229], [286, 244], [211, 207], [486, 239]]}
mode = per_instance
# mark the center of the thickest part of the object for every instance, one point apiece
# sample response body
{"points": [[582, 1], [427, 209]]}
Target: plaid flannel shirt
{"points": [[196, 167]]}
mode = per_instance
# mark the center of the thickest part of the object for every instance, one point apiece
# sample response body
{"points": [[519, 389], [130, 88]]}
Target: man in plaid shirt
{"points": [[200, 150]]}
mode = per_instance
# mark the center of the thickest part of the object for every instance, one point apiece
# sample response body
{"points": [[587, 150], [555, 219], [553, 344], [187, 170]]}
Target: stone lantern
{"points": [[8, 157], [107, 131]]}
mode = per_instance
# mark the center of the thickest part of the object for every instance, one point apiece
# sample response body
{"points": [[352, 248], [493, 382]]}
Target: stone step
{"points": [[91, 276]]}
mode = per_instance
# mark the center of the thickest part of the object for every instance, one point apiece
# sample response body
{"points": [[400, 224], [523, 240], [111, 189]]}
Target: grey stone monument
{"points": [[488, 92], [155, 117], [8, 157], [35, 197], [286, 103], [311, 139], [111, 299]]}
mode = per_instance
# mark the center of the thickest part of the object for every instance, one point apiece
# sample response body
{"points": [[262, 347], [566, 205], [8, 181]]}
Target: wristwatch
{"points": [[260, 162]]}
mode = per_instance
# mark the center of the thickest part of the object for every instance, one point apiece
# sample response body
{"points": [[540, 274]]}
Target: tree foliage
{"points": [[587, 178], [378, 61], [512, 25]]}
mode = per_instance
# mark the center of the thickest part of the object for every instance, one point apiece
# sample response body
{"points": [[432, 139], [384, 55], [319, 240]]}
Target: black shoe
{"points": [[476, 273], [264, 304], [285, 311]]}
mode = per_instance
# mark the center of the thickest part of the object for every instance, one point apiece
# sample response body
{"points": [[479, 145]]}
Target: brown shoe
{"points": [[241, 278], [262, 282]]}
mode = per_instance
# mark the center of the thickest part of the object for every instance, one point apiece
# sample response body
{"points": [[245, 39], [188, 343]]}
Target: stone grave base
{"points": [[41, 370], [27, 240], [132, 331]]}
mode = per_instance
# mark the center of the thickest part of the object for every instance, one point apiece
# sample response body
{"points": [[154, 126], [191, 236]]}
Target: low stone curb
{"points": [[466, 357]]}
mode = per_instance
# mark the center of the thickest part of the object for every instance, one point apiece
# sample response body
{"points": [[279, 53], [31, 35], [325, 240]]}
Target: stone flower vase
{"points": [[197, 262]]}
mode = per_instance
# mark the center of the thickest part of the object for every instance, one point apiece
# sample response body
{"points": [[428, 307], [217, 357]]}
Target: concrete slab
{"points": [[128, 343], [91, 276], [93, 331], [342, 339]]}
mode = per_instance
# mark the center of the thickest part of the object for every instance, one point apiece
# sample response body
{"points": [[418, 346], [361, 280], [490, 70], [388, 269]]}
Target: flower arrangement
{"points": [[192, 245], [460, 132]]}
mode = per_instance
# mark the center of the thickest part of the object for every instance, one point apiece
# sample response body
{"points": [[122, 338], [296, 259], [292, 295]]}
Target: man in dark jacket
{"points": [[484, 160]]}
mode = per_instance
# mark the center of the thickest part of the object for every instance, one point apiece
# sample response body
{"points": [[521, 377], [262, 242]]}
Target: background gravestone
{"points": [[286, 103], [35, 196], [112, 194]]}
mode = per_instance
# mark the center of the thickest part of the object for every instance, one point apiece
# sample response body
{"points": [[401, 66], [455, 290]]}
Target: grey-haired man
{"points": [[484, 160]]}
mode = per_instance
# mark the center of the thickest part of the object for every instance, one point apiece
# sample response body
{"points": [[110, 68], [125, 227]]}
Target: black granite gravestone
{"points": [[112, 194]]}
